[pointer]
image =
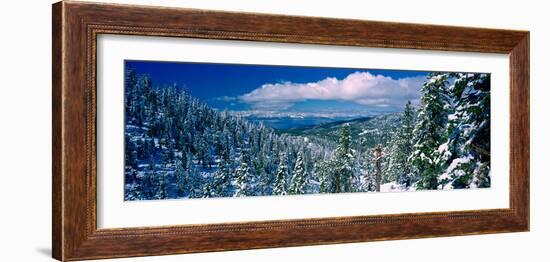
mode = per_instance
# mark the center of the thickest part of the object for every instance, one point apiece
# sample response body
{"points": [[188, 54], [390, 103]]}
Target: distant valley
{"points": [[366, 131]]}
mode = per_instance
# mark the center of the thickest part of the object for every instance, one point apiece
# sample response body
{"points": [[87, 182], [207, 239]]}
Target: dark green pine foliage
{"points": [[323, 171], [181, 176], [280, 180], [299, 176], [195, 179], [149, 180], [466, 154], [222, 180], [430, 130], [208, 190], [243, 177], [343, 166], [400, 168], [369, 169], [131, 157], [161, 191], [263, 178]]}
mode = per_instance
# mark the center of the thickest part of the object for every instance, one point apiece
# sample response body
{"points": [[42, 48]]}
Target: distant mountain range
{"points": [[365, 131], [291, 122]]}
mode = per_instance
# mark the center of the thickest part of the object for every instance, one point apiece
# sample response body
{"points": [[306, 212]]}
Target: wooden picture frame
{"points": [[76, 26]]}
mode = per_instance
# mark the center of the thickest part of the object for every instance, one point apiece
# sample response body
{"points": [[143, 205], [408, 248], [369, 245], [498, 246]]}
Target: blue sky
{"points": [[289, 89]]}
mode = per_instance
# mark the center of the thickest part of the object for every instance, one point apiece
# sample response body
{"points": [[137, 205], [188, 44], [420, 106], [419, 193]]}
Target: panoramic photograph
{"points": [[211, 130]]}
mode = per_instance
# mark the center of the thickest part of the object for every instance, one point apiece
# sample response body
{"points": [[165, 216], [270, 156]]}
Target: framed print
{"points": [[194, 131]]}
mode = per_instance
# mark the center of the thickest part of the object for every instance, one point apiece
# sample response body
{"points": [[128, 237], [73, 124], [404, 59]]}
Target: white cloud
{"points": [[362, 88]]}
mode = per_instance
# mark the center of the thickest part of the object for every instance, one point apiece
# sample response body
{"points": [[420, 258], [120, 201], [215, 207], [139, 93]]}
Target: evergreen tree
{"points": [[343, 164], [326, 177], [264, 179], [399, 167], [298, 181], [222, 179], [466, 153], [243, 177], [208, 191], [280, 180], [181, 176], [194, 178], [368, 172], [131, 153], [430, 129], [150, 178], [161, 187], [202, 150]]}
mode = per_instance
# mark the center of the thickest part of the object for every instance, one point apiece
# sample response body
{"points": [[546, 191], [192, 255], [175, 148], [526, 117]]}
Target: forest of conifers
{"points": [[176, 146]]}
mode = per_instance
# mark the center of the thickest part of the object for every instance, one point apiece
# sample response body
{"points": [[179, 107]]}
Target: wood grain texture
{"points": [[57, 195], [76, 26], [519, 130]]}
